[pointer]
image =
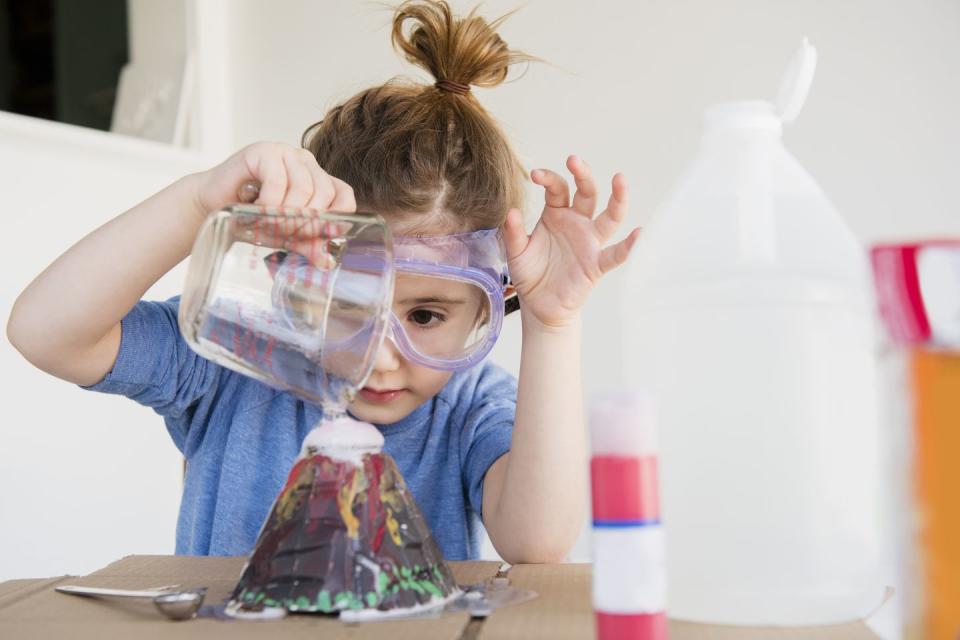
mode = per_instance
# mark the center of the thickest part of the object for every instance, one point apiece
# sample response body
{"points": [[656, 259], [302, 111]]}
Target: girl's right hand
{"points": [[288, 177]]}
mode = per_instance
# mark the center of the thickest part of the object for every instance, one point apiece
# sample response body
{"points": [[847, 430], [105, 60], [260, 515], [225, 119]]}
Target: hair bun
{"points": [[458, 52]]}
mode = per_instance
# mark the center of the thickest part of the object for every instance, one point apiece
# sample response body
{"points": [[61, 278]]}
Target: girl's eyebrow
{"points": [[433, 299]]}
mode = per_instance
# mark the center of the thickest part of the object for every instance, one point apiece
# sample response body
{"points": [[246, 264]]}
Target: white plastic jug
{"points": [[750, 317]]}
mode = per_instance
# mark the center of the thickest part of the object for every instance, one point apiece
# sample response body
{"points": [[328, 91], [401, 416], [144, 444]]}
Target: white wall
{"points": [[87, 478]]}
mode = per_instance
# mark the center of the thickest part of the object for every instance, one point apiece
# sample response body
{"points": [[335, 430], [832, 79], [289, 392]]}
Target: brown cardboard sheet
{"points": [[32, 609], [564, 611]]}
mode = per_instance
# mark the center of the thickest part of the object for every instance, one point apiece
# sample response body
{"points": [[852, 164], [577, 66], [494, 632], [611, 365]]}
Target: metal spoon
{"points": [[176, 605]]}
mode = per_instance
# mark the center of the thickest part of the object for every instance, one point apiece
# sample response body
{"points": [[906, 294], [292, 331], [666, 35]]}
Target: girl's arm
{"points": [[67, 321], [535, 497]]}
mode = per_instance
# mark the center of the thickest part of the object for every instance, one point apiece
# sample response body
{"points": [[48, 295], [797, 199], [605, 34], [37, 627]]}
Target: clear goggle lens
{"points": [[443, 319], [437, 321]]}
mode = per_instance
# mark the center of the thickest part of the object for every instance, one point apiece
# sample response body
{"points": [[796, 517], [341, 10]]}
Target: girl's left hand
{"points": [[555, 267]]}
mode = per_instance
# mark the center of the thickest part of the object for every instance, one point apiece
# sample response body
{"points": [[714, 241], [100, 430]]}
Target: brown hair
{"points": [[409, 148]]}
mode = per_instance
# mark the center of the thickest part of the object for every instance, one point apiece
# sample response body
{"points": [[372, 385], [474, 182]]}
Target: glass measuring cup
{"points": [[294, 298]]}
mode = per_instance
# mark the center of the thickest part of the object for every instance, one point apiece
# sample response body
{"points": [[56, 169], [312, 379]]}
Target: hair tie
{"points": [[453, 87]]}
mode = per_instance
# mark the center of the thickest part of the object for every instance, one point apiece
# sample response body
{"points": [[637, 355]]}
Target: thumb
{"points": [[515, 237]]}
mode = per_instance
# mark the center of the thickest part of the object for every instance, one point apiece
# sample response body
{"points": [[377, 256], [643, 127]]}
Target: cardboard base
{"points": [[32, 609]]}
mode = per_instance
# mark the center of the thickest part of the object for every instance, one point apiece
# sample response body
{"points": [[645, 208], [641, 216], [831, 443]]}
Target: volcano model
{"points": [[344, 535]]}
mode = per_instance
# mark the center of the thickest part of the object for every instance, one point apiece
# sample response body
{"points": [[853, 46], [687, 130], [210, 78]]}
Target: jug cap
{"points": [[795, 82]]}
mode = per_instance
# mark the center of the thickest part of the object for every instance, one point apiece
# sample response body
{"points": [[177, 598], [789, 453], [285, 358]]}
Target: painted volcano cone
{"points": [[344, 534]]}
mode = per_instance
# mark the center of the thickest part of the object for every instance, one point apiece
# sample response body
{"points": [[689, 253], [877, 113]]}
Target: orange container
{"points": [[918, 287], [935, 378]]}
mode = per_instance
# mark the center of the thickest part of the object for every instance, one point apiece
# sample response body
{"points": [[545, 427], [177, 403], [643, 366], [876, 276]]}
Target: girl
{"points": [[471, 441]]}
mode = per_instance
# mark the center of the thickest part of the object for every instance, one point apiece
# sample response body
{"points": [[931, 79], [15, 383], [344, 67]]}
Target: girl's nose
{"points": [[388, 357]]}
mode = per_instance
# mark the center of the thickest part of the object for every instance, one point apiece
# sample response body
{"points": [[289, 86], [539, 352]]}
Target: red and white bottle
{"points": [[629, 575]]}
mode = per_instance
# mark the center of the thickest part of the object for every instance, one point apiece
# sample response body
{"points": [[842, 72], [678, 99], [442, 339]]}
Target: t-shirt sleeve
{"points": [[154, 365], [489, 429]]}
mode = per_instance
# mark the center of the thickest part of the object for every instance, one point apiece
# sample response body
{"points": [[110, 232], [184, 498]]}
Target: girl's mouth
{"points": [[383, 396]]}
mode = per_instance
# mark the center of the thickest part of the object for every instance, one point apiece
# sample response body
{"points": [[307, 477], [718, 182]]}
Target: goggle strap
{"points": [[511, 304]]}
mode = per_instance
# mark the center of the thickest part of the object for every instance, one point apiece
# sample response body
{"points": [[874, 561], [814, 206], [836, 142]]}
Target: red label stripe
{"points": [[625, 488], [632, 626]]}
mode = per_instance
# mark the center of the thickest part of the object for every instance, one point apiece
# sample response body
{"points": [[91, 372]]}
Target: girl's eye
{"points": [[425, 317]]}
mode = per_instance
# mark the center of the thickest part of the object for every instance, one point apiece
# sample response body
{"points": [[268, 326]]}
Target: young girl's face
{"points": [[437, 315]]}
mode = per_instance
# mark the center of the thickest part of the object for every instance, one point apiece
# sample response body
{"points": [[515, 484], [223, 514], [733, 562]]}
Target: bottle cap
{"points": [[795, 82], [918, 291], [623, 423]]}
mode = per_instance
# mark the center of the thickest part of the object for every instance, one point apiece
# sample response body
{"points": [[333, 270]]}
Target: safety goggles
{"points": [[451, 294]]}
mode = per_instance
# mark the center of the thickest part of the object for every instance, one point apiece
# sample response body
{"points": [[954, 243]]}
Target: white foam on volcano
{"points": [[343, 439]]}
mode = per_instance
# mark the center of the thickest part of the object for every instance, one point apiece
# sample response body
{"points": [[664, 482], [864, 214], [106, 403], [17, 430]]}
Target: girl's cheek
{"points": [[428, 382]]}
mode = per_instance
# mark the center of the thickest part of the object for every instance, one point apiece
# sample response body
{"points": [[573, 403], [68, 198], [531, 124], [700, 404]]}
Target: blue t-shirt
{"points": [[240, 438]]}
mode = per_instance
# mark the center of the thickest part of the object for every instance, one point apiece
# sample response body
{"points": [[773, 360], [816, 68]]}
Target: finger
{"points": [[343, 199], [299, 180], [515, 237], [615, 255], [316, 251], [312, 225], [585, 198], [272, 172], [609, 221], [323, 188], [556, 192], [273, 180]]}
